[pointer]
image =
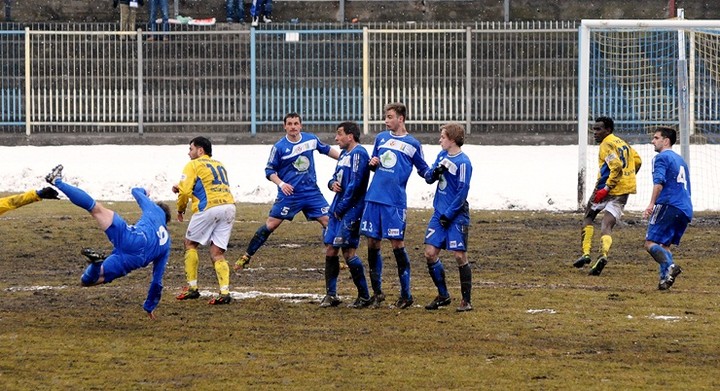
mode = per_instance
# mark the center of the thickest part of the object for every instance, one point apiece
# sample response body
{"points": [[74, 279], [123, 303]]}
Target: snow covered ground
{"points": [[504, 177]]}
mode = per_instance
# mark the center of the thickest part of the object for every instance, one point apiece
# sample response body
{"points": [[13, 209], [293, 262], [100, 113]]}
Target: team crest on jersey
{"points": [[339, 176], [442, 183], [302, 163], [388, 159]]}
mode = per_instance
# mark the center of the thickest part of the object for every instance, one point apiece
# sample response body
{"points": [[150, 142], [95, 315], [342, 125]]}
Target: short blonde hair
{"points": [[455, 132]]}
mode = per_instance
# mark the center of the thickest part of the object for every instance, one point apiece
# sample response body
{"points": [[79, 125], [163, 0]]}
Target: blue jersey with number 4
{"points": [[670, 170]]}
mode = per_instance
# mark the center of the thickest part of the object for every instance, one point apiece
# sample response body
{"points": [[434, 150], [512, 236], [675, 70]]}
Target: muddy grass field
{"points": [[538, 323]]}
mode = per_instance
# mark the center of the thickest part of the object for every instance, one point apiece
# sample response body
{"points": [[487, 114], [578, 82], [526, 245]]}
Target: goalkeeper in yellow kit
{"points": [[616, 181], [15, 201], [204, 184]]}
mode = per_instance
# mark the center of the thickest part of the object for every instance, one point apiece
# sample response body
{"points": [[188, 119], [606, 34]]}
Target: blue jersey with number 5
{"points": [[670, 170]]}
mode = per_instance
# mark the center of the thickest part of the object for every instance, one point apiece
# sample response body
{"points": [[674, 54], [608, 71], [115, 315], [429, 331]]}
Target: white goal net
{"points": [[649, 73]]}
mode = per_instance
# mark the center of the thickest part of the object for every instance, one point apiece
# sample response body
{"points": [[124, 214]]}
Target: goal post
{"points": [[647, 73]]}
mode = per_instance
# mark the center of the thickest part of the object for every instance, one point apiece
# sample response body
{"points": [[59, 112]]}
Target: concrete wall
{"points": [[376, 11]]}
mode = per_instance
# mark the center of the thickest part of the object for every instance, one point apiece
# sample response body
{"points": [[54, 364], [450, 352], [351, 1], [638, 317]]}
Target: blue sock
{"points": [[261, 235], [77, 196], [437, 273], [92, 274], [375, 262], [403, 265], [662, 257], [358, 275]]}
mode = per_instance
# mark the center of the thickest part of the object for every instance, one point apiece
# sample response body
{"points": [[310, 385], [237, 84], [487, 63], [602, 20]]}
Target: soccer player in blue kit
{"points": [[394, 154], [291, 166], [448, 226], [343, 232], [670, 209], [135, 246]]}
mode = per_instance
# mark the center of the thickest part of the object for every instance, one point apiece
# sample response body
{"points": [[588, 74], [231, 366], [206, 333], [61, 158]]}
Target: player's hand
{"points": [[648, 211], [374, 163], [151, 315], [444, 221], [600, 195], [48, 193], [175, 189], [439, 170], [336, 187], [180, 217], [286, 188]]}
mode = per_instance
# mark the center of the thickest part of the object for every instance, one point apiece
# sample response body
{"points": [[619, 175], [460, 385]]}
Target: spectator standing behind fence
{"points": [[235, 11], [261, 8], [670, 209], [128, 14], [162, 5]]}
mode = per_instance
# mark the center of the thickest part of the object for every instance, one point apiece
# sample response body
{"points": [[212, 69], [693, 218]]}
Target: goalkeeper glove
{"points": [[439, 170], [48, 193], [601, 194], [444, 221]]}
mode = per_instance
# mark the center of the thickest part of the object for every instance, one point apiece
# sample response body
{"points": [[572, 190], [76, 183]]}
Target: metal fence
{"points": [[76, 78]]}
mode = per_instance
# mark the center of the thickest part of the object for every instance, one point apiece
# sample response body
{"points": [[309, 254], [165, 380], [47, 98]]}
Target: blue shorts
{"points": [[383, 221], [313, 206], [344, 233], [667, 225], [453, 238], [129, 251]]}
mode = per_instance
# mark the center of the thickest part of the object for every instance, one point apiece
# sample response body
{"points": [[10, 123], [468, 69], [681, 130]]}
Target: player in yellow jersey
{"points": [[616, 181], [204, 184], [15, 201]]}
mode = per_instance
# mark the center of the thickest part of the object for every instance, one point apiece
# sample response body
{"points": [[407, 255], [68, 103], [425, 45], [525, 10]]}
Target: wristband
{"points": [[281, 184]]}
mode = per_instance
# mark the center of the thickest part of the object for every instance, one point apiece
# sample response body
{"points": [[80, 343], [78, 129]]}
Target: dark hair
{"points": [[202, 142], [398, 108], [292, 115], [608, 123], [454, 132], [351, 128], [165, 209], [668, 133]]}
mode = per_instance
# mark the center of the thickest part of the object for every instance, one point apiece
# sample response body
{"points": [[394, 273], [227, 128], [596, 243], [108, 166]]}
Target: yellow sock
{"points": [[586, 235], [191, 267], [222, 269], [606, 243]]}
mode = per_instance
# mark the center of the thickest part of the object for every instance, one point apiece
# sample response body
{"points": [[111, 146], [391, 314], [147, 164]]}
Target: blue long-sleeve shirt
{"points": [[153, 225], [453, 187], [353, 174]]}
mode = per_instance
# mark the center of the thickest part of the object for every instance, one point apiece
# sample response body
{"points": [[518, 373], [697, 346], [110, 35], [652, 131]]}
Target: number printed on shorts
{"points": [[430, 232]]}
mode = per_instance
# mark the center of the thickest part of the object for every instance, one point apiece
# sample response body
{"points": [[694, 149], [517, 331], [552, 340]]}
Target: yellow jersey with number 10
{"points": [[204, 183]]}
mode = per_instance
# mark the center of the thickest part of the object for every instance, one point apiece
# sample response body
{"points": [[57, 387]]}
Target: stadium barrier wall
{"points": [[63, 78]]}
